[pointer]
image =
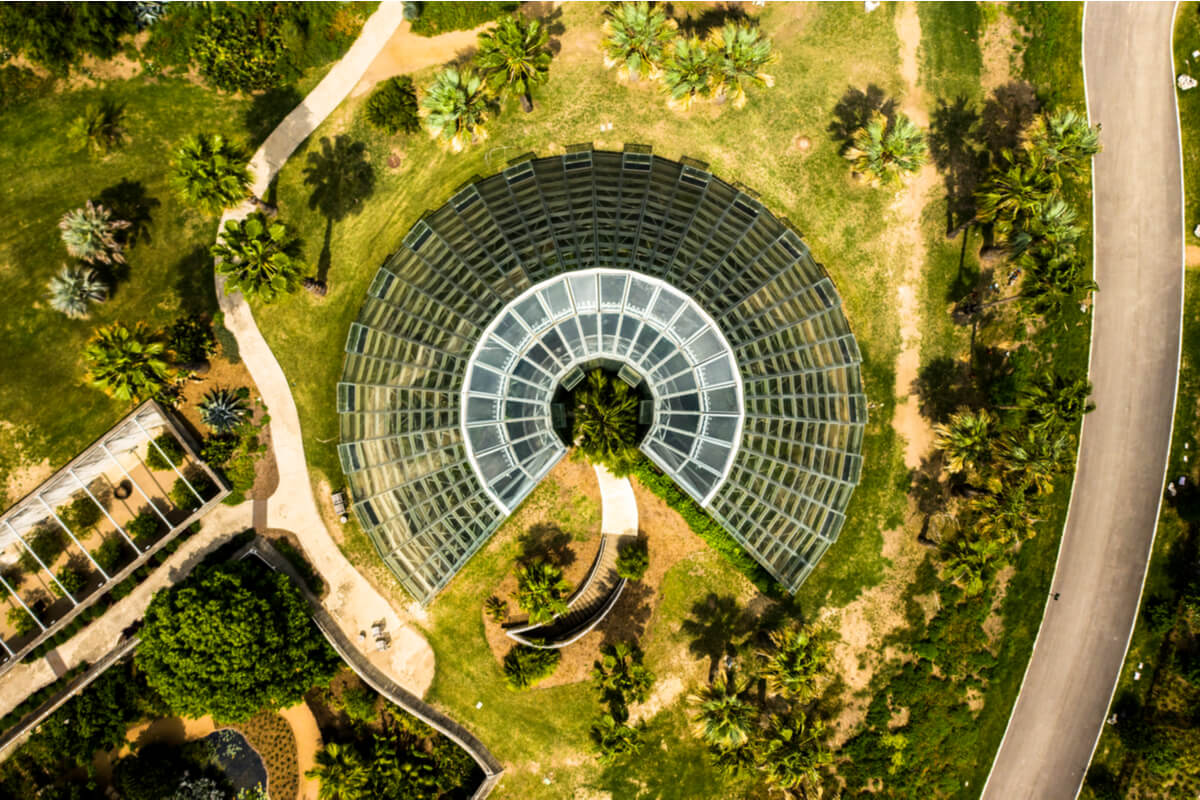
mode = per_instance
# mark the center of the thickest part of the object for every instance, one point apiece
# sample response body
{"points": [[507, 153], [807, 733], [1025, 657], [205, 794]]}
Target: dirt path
{"points": [[906, 212], [407, 52], [308, 742]]}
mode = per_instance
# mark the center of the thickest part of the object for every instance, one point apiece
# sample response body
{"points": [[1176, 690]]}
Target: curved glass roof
{"points": [[601, 314], [450, 363]]}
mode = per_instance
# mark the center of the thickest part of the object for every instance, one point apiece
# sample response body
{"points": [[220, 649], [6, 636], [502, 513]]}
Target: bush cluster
{"points": [[524, 666], [392, 106], [440, 17], [171, 449]]}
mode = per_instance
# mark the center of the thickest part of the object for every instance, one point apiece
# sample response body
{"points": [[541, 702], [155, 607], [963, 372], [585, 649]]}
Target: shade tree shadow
{"points": [[942, 386], [341, 179], [627, 620], [194, 285], [547, 542], [129, 201], [1005, 114], [853, 111], [268, 109]]}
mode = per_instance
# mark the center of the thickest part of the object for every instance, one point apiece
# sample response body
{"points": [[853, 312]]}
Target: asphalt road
{"points": [[1123, 447]]}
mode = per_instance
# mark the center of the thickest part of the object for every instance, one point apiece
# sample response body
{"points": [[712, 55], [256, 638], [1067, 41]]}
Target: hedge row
{"points": [[40, 696]]}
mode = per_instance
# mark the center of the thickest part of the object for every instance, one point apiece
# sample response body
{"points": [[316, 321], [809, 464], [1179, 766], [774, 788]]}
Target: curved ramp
{"points": [[600, 591]]}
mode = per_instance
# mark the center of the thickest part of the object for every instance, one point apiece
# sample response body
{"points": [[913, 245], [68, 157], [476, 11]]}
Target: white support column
{"points": [[41, 564], [136, 485], [154, 444], [6, 647], [17, 597], [104, 511], [78, 544]]}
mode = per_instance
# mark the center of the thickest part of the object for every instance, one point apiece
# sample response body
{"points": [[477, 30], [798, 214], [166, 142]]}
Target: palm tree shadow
{"points": [[549, 543], [709, 19], [715, 624], [960, 155], [194, 286], [129, 201], [855, 109], [342, 179]]}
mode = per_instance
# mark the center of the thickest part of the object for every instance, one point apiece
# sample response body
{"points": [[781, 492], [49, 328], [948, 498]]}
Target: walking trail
{"points": [[385, 46], [1138, 206]]}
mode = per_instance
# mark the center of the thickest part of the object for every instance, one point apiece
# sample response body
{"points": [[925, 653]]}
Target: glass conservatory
{"points": [[684, 285]]}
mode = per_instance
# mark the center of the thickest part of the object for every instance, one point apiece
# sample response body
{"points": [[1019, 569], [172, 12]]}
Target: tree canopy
{"points": [[230, 640]]}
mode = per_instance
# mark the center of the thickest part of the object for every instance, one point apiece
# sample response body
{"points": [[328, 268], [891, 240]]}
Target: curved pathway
{"points": [[1124, 444], [600, 591]]}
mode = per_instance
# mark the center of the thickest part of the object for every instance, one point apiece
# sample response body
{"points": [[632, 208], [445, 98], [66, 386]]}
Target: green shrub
{"points": [[56, 35], [524, 666], [191, 339], [439, 17], [218, 449], [496, 609], [81, 514], [144, 528], [48, 543], [109, 554], [182, 496], [123, 589], [171, 449], [633, 560], [20, 85], [359, 705], [72, 578], [392, 107], [310, 576], [21, 621]]}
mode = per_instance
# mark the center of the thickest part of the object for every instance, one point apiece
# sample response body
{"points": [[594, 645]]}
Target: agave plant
{"points": [[90, 234], [636, 39], [513, 57], [688, 73], [74, 289], [258, 258], [126, 362], [740, 53], [456, 108], [222, 410], [210, 173], [886, 153], [98, 128]]}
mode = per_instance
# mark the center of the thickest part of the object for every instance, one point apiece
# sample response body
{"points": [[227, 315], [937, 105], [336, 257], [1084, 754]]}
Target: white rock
{"points": [[1196, 54], [1196, 231], [870, 5], [1185, 82]]}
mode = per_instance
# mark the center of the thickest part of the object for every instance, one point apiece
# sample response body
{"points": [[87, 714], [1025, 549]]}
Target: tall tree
{"points": [[636, 39], [621, 675], [741, 53], [1005, 516], [969, 562], [456, 109], [967, 439], [1014, 193], [1034, 457], [793, 662], [341, 773], [210, 173], [724, 717], [1063, 141], [606, 418], [688, 73], [74, 289], [1055, 279], [541, 591], [258, 257], [1056, 403], [90, 233], [793, 753], [127, 363], [513, 57], [885, 152], [230, 640]]}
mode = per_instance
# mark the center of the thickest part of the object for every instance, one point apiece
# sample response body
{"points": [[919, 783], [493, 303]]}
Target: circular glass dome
{"points": [[683, 282], [543, 338]]}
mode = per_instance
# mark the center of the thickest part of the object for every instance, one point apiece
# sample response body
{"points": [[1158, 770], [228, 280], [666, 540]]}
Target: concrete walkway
{"points": [[618, 506], [98, 638], [1123, 448]]}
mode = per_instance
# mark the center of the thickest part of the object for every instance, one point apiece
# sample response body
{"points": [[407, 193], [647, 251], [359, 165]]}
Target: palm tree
{"points": [[210, 173], [620, 674], [969, 562], [1053, 227], [614, 738], [74, 289], [724, 718], [222, 410], [1056, 403], [90, 232], [1055, 279], [496, 609], [1014, 193], [1063, 140], [606, 413], [636, 38], [455, 109], [341, 772], [98, 128], [885, 152], [1004, 516], [966, 439], [513, 57], [740, 53], [541, 591], [688, 73], [793, 753], [127, 363], [258, 258], [1035, 458], [793, 662]]}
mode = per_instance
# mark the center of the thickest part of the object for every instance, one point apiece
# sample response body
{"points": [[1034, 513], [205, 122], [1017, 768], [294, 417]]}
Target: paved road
{"points": [[1123, 450]]}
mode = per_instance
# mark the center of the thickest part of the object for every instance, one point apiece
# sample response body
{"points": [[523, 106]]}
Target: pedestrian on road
{"points": [[1056, 595]]}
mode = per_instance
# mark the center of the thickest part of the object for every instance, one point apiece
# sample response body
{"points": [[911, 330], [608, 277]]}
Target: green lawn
{"points": [[47, 411]]}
